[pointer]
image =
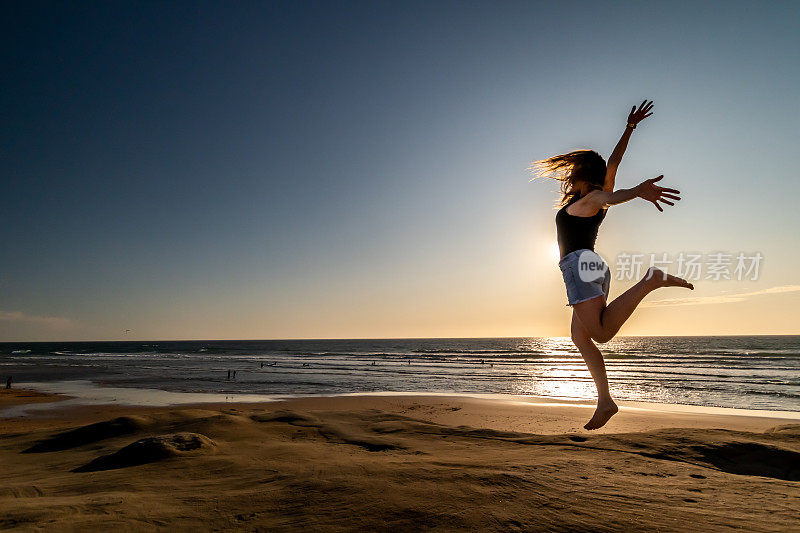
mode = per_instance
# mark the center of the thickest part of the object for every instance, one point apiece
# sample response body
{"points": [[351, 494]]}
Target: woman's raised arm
{"points": [[634, 117]]}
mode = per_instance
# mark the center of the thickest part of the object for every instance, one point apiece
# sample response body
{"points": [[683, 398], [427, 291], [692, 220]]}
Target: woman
{"points": [[587, 186]]}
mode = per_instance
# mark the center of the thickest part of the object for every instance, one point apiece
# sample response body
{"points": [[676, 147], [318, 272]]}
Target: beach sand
{"points": [[394, 463]]}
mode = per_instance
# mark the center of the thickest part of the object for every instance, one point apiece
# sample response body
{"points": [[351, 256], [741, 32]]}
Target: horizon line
{"points": [[395, 338]]}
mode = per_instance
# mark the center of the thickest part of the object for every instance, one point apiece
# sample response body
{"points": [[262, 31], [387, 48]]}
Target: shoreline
{"points": [[76, 393]]}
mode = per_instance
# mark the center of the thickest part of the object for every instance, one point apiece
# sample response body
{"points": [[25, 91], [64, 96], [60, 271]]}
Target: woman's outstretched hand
{"points": [[638, 115], [651, 192]]}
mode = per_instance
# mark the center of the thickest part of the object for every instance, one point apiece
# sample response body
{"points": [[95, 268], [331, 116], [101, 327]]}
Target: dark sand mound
{"points": [[750, 459], [338, 433], [288, 417], [789, 429], [752, 454], [152, 449], [23, 491], [189, 420], [124, 425], [775, 454], [198, 421]]}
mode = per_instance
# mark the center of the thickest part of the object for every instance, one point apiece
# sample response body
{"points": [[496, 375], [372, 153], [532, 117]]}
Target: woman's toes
{"points": [[674, 281]]}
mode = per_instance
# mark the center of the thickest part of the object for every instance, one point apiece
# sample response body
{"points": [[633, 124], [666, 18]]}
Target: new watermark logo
{"points": [[591, 266]]}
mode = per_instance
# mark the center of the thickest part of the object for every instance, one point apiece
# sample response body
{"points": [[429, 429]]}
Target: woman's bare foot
{"points": [[605, 410], [662, 279]]}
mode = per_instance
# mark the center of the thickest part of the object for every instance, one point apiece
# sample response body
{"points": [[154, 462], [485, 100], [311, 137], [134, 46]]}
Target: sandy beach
{"points": [[394, 463]]}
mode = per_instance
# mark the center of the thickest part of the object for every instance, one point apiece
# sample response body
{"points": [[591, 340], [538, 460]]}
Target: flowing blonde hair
{"points": [[572, 170]]}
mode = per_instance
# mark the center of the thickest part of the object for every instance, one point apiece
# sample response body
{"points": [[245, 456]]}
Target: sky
{"points": [[256, 170]]}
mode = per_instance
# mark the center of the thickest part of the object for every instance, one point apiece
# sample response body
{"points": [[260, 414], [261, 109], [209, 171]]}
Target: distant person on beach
{"points": [[8, 382], [587, 191]]}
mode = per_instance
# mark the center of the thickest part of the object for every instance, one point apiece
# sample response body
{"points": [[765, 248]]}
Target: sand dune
{"points": [[150, 450], [395, 464], [124, 425]]}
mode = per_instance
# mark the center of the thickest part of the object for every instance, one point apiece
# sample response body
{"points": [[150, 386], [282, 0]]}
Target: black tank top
{"points": [[576, 233]]}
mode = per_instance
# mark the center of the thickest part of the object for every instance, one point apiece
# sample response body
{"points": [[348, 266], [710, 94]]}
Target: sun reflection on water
{"points": [[565, 377]]}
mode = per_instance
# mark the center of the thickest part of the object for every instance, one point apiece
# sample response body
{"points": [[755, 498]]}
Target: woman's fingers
{"points": [[670, 196], [657, 206], [666, 189], [659, 178], [642, 112], [665, 201]]}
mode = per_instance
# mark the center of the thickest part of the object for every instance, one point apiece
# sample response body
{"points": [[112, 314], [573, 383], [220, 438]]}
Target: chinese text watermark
{"points": [[715, 266]]}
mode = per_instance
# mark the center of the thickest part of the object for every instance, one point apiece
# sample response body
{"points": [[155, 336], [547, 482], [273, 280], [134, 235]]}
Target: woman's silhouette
{"points": [[587, 186]]}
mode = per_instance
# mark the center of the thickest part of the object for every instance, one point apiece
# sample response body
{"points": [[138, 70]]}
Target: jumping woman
{"points": [[587, 187]]}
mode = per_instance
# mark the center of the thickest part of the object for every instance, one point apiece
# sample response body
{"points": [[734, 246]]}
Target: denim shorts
{"points": [[578, 288]]}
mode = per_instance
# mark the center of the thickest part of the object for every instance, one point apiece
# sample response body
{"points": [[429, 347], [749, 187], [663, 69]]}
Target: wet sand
{"points": [[394, 463]]}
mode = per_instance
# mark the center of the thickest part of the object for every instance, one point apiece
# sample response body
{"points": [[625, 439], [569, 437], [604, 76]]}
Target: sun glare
{"points": [[554, 252]]}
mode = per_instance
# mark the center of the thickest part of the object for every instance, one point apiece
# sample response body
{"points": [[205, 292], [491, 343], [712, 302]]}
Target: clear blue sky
{"points": [[304, 169]]}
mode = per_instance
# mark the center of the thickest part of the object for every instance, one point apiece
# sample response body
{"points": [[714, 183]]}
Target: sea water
{"points": [[748, 372]]}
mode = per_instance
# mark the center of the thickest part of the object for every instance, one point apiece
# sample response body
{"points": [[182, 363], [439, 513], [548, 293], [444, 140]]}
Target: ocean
{"points": [[748, 372]]}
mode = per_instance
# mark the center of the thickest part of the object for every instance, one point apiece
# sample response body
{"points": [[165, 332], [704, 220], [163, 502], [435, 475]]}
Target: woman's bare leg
{"points": [[603, 321], [606, 408]]}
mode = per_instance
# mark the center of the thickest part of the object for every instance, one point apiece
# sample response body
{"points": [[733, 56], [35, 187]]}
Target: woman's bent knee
{"points": [[583, 334], [602, 337], [578, 333], [589, 313], [579, 339]]}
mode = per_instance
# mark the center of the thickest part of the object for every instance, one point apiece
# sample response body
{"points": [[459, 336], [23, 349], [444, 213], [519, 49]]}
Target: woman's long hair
{"points": [[576, 170]]}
